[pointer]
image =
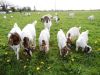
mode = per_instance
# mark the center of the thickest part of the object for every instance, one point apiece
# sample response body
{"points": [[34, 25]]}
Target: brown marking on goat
{"points": [[69, 42], [86, 49], [26, 42], [64, 50], [43, 45], [26, 45], [14, 39]]}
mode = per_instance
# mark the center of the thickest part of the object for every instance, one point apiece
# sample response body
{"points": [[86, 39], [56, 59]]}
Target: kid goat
{"points": [[72, 35], [82, 42], [62, 43], [44, 40], [14, 39], [29, 37]]}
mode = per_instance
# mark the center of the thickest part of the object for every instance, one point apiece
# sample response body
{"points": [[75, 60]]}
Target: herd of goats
{"points": [[26, 38]]}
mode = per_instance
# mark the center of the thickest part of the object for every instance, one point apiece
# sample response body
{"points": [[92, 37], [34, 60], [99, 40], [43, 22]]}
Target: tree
{"points": [[13, 9], [26, 9], [4, 4]]}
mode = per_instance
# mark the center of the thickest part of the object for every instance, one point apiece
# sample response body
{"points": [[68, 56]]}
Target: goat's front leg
{"points": [[60, 52], [30, 52], [47, 48], [82, 49], [33, 44], [17, 52], [76, 48]]}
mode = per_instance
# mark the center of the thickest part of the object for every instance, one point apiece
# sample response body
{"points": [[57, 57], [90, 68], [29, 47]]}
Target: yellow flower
{"points": [[49, 67], [25, 66], [98, 48], [95, 42], [37, 68], [8, 60], [6, 53], [72, 59], [27, 59], [42, 62]]}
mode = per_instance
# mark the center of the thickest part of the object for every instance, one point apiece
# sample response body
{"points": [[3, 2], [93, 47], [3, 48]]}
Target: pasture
{"points": [[76, 63]]}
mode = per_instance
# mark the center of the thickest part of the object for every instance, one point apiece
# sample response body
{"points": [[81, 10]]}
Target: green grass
{"points": [[76, 63]]}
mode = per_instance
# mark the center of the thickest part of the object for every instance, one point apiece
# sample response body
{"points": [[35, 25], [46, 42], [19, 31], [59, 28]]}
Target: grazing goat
{"points": [[91, 18], [29, 38], [82, 42], [72, 35], [14, 39], [62, 43], [44, 40]]}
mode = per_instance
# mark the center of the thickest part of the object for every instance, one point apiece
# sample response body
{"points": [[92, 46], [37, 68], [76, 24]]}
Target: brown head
{"points": [[27, 45], [14, 39], [65, 51], [26, 42], [87, 49], [46, 19]]}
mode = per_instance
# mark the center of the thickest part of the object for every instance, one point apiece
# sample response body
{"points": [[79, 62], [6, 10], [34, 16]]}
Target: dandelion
{"points": [[25, 66], [27, 59], [72, 59], [37, 68], [42, 62], [98, 48], [95, 42], [49, 67], [6, 53], [8, 60], [20, 60]]}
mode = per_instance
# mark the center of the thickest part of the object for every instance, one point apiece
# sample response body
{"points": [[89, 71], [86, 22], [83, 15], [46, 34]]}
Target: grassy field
{"points": [[76, 63]]}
